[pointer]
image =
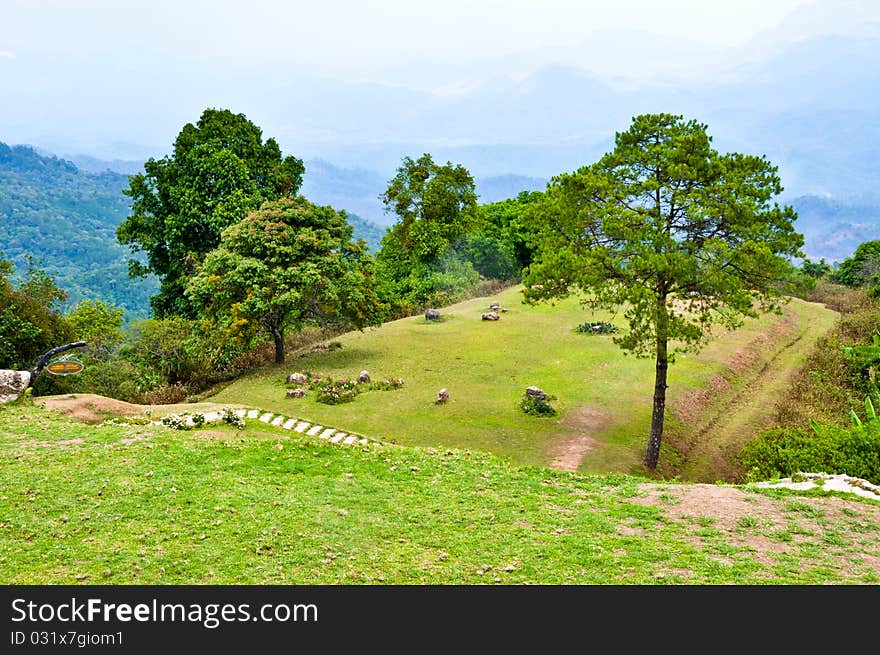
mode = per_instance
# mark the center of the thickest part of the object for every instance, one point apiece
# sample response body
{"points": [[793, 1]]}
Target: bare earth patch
{"points": [[92, 408], [582, 423], [768, 528]]}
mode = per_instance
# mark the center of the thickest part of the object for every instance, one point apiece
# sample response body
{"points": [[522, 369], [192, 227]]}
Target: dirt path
{"points": [[581, 424], [90, 408], [739, 405]]}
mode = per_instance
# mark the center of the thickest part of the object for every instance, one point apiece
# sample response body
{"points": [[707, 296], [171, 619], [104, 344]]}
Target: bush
{"points": [[336, 392], [388, 384], [229, 416], [596, 327], [537, 406], [782, 452]]}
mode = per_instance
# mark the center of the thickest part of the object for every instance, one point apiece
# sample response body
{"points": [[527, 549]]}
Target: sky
{"points": [[86, 74]]}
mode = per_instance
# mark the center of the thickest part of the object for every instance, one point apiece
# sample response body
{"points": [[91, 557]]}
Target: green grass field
{"points": [[128, 504], [486, 367]]}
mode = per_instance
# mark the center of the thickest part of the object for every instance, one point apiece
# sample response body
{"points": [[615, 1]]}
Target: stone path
{"points": [[285, 422]]}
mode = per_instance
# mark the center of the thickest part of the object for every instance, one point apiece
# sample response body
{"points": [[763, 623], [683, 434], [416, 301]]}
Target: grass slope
{"points": [[115, 504], [486, 367]]}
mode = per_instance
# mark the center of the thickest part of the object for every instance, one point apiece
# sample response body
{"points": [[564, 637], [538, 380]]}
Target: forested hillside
{"points": [[66, 220]]}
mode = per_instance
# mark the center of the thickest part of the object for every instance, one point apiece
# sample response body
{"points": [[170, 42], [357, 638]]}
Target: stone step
{"points": [[265, 418], [302, 427], [350, 439], [314, 430], [326, 434], [289, 423], [336, 438], [253, 413]]}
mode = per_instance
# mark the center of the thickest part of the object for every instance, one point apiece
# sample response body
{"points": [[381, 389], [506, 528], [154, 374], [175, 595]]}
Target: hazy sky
{"points": [[358, 38], [99, 70]]}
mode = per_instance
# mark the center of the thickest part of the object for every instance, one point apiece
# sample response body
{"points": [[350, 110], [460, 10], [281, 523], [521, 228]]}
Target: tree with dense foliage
{"points": [[287, 265], [220, 170], [98, 324], [815, 270], [31, 321], [436, 206], [858, 269], [501, 245], [673, 233]]}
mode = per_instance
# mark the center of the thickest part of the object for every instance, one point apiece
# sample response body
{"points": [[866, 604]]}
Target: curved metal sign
{"points": [[65, 366]]}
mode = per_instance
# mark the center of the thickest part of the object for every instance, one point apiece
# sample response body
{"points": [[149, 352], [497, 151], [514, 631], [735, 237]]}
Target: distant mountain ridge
{"points": [[66, 220]]}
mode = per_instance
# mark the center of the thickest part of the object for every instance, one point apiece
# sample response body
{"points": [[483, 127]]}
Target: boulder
{"points": [[13, 384], [494, 306], [363, 376], [491, 316], [442, 396], [297, 378], [432, 315], [537, 393], [296, 393]]}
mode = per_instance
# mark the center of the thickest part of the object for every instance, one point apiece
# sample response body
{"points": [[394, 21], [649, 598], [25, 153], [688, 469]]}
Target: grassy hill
{"points": [[603, 396], [143, 504]]}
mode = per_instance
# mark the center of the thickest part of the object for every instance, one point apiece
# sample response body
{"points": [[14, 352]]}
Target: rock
{"points": [[494, 306], [363, 376], [491, 316], [536, 393], [13, 384], [297, 378], [432, 315], [442, 396], [296, 393]]}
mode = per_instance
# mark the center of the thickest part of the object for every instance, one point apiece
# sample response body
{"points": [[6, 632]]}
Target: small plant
{"points": [[336, 392], [596, 327], [537, 405], [127, 420], [176, 422], [198, 419], [388, 384], [229, 416]]}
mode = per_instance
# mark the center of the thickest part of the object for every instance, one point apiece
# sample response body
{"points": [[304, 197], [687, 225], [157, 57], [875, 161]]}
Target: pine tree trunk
{"points": [[652, 455]]}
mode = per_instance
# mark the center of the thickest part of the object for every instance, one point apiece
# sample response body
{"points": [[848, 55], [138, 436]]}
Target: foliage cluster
{"points": [[596, 327]]}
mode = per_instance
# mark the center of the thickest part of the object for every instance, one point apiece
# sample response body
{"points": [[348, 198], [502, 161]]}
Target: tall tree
{"points": [[220, 170], [673, 232], [289, 264], [30, 317], [436, 205]]}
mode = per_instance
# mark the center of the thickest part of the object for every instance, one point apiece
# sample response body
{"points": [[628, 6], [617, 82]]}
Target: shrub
{"points": [[537, 406], [229, 416], [336, 392], [176, 422], [852, 451], [596, 327], [388, 384]]}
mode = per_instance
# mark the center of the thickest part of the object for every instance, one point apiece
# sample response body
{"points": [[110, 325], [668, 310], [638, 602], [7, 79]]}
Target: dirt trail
{"points": [[581, 423], [739, 405], [90, 407]]}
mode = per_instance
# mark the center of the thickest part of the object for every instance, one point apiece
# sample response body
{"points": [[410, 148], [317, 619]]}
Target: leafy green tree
{"points": [[674, 233], [815, 270], [220, 170], [289, 264], [858, 270], [436, 207], [31, 321], [98, 324]]}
